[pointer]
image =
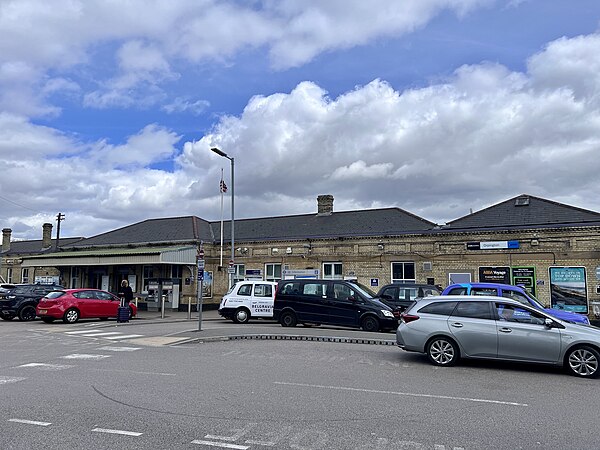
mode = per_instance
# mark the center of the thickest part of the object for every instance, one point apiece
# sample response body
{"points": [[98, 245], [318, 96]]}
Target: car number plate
{"points": [[43, 311]]}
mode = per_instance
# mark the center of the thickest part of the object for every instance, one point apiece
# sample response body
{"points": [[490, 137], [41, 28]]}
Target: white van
{"points": [[249, 299]]}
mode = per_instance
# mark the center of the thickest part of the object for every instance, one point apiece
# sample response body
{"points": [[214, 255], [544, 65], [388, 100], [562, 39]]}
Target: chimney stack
{"points": [[6, 232], [46, 235], [324, 205]]}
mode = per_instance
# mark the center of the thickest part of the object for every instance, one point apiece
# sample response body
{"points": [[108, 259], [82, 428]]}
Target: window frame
{"points": [[270, 271], [333, 265], [403, 264]]}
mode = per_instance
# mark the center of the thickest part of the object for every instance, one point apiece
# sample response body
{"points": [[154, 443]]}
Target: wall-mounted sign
{"points": [[494, 275], [290, 274], [492, 245], [524, 276], [568, 289], [374, 282]]}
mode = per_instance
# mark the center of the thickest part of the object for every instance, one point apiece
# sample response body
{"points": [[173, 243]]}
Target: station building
{"points": [[551, 248]]}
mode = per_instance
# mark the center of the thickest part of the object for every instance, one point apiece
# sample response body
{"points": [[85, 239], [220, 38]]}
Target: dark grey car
{"points": [[448, 328]]}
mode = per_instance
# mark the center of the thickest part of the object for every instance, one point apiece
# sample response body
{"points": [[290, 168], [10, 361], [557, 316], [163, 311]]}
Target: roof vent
{"points": [[522, 201]]}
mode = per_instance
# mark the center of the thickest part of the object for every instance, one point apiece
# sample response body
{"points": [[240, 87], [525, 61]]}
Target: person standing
{"points": [[125, 293]]}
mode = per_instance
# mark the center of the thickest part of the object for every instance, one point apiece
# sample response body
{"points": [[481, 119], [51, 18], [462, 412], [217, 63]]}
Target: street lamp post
{"points": [[224, 155]]}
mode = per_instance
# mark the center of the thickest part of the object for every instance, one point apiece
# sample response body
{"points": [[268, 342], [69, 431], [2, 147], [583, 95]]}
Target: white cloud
{"points": [[185, 104]]}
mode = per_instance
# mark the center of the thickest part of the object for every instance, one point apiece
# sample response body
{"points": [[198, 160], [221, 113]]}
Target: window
{"points": [[455, 278], [103, 295], [176, 271], [403, 272], [513, 313], [484, 291], [458, 291], [245, 289], [391, 291], [272, 272], [439, 308], [75, 277], [148, 272], [342, 292], [240, 270], [515, 296], [314, 289], [25, 275], [291, 288], [475, 310], [263, 290], [332, 270], [407, 293], [9, 275]]}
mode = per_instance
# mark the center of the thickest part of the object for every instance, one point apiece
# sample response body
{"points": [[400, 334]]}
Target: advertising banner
{"points": [[207, 284], [525, 277], [568, 289], [494, 275]]}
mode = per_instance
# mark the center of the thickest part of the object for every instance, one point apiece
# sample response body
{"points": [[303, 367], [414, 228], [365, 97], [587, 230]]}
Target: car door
{"points": [[108, 304], [262, 300], [311, 303], [523, 335], [472, 324], [345, 305], [87, 303]]}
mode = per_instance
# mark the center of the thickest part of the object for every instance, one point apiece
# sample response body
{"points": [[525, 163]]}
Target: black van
{"points": [[331, 302]]}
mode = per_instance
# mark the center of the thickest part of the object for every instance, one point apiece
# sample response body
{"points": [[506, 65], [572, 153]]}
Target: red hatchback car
{"points": [[70, 305]]}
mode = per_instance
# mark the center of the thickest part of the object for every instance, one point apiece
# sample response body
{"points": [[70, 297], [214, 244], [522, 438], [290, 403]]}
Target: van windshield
{"points": [[363, 290]]}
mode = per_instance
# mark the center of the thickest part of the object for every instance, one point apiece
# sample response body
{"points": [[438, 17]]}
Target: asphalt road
{"points": [[62, 388]]}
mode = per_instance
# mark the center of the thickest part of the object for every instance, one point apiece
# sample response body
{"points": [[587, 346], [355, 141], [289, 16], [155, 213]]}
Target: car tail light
{"points": [[406, 318]]}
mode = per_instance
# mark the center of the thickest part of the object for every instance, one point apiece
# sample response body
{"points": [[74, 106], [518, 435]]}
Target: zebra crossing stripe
{"points": [[30, 422], [45, 366], [6, 380], [81, 332], [128, 336], [120, 349], [106, 333]]}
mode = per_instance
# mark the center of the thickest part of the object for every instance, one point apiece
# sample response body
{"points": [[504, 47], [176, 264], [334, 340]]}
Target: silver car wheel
{"points": [[583, 362], [442, 352], [241, 316]]}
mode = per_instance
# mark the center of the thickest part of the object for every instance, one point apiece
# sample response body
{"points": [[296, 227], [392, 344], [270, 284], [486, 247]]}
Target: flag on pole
{"points": [[223, 186]]}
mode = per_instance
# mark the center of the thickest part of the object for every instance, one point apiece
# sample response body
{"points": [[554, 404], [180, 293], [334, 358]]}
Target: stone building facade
{"points": [[523, 240]]}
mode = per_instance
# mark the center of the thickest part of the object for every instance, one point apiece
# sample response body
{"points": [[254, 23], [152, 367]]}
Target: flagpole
{"points": [[221, 190]]}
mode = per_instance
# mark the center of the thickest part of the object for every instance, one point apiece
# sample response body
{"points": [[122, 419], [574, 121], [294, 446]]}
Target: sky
{"points": [[109, 109]]}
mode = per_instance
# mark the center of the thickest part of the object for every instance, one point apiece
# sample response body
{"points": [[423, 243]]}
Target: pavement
{"points": [[258, 329]]}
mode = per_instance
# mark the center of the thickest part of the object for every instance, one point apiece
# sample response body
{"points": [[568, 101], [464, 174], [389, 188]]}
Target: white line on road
{"points": [[123, 432], [30, 422], [137, 372], [106, 333], [84, 356], [45, 366], [409, 394], [82, 332], [120, 349], [128, 336], [220, 444], [6, 380]]}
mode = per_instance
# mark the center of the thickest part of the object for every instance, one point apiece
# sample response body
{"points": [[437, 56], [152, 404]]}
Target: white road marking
{"points": [[46, 366], [408, 394], [30, 422], [137, 372], [105, 333], [6, 380], [128, 336], [84, 356], [220, 444], [82, 332], [123, 432], [120, 349]]}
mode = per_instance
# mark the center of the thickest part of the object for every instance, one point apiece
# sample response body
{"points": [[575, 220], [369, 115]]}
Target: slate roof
{"points": [[34, 247], [187, 229], [375, 222], [525, 211]]}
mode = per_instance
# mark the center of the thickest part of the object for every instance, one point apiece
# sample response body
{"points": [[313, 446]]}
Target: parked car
{"points": [[5, 288], [448, 328], [248, 299], [22, 299], [70, 305], [514, 292], [399, 296], [331, 302]]}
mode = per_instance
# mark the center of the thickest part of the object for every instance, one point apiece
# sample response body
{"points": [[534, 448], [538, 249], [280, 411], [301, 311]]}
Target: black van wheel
{"points": [[242, 315], [27, 313], [288, 319], [370, 323]]}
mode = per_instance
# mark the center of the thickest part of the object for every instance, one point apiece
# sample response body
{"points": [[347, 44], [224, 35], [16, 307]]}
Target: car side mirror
{"points": [[549, 323]]}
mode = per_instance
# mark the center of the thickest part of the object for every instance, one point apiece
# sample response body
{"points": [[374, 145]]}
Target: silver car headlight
{"points": [[387, 313]]}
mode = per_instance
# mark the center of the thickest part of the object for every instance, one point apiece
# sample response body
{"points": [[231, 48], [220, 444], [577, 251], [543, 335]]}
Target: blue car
{"points": [[514, 292]]}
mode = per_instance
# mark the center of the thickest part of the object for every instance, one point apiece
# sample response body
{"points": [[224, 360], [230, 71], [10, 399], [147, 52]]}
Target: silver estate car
{"points": [[448, 328]]}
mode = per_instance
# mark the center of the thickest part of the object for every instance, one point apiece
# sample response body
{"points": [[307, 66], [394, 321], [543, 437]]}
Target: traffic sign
{"points": [[231, 270], [201, 264], [231, 263], [201, 253]]}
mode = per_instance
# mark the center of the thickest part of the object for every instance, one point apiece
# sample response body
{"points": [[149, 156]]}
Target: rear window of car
{"points": [[20, 290], [475, 310], [263, 290], [439, 308], [55, 294], [484, 291]]}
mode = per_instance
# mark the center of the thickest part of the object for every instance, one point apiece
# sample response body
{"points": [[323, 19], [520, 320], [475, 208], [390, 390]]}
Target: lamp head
{"points": [[218, 152]]}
